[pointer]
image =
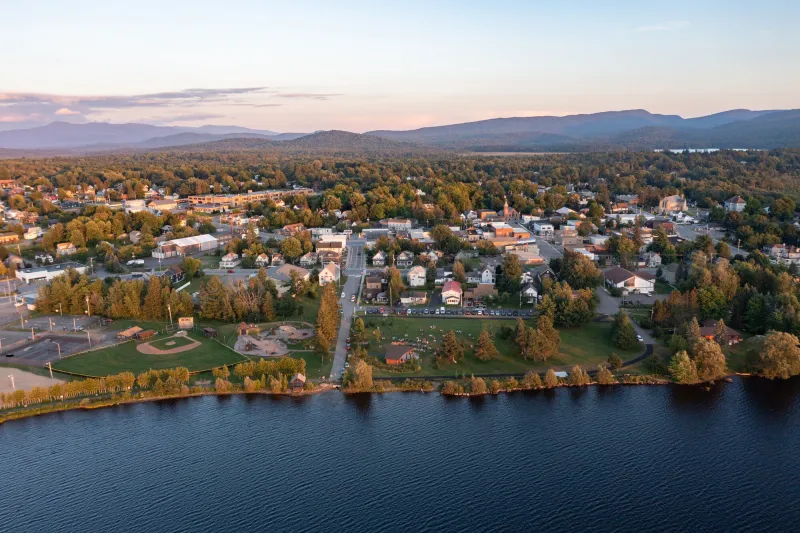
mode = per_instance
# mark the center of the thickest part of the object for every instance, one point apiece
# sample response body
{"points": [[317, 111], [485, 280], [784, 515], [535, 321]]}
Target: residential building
{"points": [[64, 249], [488, 275], [277, 260], [708, 330], [477, 295], [451, 292], [416, 277], [651, 259], [379, 259], [32, 233], [134, 206], [669, 204], [543, 228], [230, 260], [290, 230], [397, 354], [329, 274], [529, 293], [404, 259], [173, 274], [414, 298], [262, 260], [397, 224], [298, 382], [308, 260], [284, 273], [630, 282], [735, 204], [8, 237]]}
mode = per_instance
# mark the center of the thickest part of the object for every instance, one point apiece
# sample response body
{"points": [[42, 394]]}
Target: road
{"points": [[548, 250], [340, 355]]}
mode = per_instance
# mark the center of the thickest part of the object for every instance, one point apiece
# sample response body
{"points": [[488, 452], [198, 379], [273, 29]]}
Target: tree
{"points": [[458, 272], [511, 274], [623, 335], [604, 375], [579, 271], [191, 266], [709, 359], [550, 379], [578, 377], [531, 380], [396, 286], [545, 340], [780, 356], [682, 368], [153, 307], [291, 248], [451, 349], [615, 361], [359, 376], [721, 333], [477, 385], [485, 349]]}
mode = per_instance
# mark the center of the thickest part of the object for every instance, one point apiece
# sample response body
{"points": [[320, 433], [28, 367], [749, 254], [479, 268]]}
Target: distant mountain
{"points": [[323, 142], [103, 135], [634, 130]]}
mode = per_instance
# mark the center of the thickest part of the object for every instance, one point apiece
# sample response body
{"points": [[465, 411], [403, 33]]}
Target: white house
{"points": [[32, 233], [262, 260], [230, 261], [329, 274], [65, 248], [529, 293], [416, 277], [398, 224], [451, 292], [630, 282], [379, 259], [487, 275], [543, 228], [651, 259], [735, 203]]}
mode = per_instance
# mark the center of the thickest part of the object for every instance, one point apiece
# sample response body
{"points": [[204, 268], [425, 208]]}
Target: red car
{"points": [[230, 271]]}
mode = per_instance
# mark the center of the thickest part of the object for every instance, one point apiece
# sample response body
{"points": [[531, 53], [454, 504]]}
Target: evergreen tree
{"points": [[451, 349], [578, 377], [604, 375], [153, 307], [485, 349], [614, 361], [682, 368], [622, 333], [459, 274], [550, 379]]}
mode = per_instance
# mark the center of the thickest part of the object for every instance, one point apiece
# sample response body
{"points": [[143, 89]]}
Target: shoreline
{"points": [[85, 404]]}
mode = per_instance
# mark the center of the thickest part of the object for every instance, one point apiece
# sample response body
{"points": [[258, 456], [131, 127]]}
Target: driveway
{"points": [[609, 305]]}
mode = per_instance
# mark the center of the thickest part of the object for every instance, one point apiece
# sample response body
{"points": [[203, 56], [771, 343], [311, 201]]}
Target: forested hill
{"points": [[325, 142]]}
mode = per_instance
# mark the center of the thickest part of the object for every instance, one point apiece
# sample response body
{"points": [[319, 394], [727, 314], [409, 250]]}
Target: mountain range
{"points": [[611, 130]]}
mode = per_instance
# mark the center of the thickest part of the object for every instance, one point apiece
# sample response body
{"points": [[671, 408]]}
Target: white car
{"points": [[639, 338], [343, 295]]}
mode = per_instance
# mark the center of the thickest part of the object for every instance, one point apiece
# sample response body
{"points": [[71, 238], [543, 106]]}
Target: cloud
{"points": [[671, 25], [64, 111], [308, 96]]}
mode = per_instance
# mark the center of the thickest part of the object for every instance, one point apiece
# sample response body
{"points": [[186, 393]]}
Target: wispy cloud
{"points": [[308, 96], [670, 25], [65, 111]]}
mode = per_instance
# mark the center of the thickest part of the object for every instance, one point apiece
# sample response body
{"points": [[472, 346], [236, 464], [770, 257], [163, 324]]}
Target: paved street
{"points": [[340, 356], [548, 250]]}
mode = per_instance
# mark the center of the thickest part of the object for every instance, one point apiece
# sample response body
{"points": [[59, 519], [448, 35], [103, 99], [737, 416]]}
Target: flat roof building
{"points": [[46, 273]]}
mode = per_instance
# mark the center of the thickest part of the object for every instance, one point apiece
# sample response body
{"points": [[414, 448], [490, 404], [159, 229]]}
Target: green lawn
{"points": [[662, 287], [125, 357], [587, 346], [315, 367]]}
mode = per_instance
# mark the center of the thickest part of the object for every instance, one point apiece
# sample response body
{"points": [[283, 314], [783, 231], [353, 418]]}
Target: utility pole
{"points": [[60, 311], [51, 323], [88, 309], [33, 337], [50, 367], [11, 377], [21, 321], [74, 325], [170, 314], [89, 337], [59, 350]]}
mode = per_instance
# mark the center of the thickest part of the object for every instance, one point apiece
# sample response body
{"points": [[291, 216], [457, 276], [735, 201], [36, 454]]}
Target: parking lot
{"points": [[46, 349], [445, 312]]}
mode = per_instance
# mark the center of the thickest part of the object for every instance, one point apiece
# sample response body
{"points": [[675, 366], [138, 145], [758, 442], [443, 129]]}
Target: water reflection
{"points": [[771, 395], [692, 397], [362, 401]]}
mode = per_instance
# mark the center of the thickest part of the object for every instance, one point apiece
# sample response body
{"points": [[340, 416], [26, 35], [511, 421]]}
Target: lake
{"points": [[620, 458]]}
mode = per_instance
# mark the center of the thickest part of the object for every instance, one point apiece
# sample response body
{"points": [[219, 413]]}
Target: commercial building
{"points": [[235, 200], [46, 273], [186, 245]]}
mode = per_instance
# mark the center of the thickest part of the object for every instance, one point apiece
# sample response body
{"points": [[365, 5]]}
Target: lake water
{"points": [[622, 459]]}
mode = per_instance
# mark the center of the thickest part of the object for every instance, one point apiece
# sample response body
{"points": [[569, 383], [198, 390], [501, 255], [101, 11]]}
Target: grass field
{"points": [[587, 346], [125, 357]]}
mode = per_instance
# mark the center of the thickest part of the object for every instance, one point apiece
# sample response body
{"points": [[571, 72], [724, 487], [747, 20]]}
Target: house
{"points": [[284, 273], [262, 260], [329, 274], [451, 292], [651, 259], [230, 261], [277, 260], [291, 230], [709, 329], [8, 237], [405, 259], [735, 204], [65, 248], [173, 274], [135, 236], [379, 259], [298, 382], [543, 228], [476, 295], [398, 224], [373, 286], [32, 233], [630, 282], [488, 275], [308, 260], [416, 277], [397, 354], [430, 256], [529, 293], [545, 273], [414, 298], [327, 256], [668, 204]]}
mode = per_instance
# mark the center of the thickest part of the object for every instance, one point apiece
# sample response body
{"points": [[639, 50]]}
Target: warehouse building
{"points": [[186, 245], [46, 273]]}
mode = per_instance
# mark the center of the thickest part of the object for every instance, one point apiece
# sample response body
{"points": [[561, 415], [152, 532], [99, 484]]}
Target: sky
{"points": [[300, 66]]}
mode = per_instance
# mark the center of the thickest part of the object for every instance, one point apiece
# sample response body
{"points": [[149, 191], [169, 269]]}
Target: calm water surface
{"points": [[623, 459]]}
